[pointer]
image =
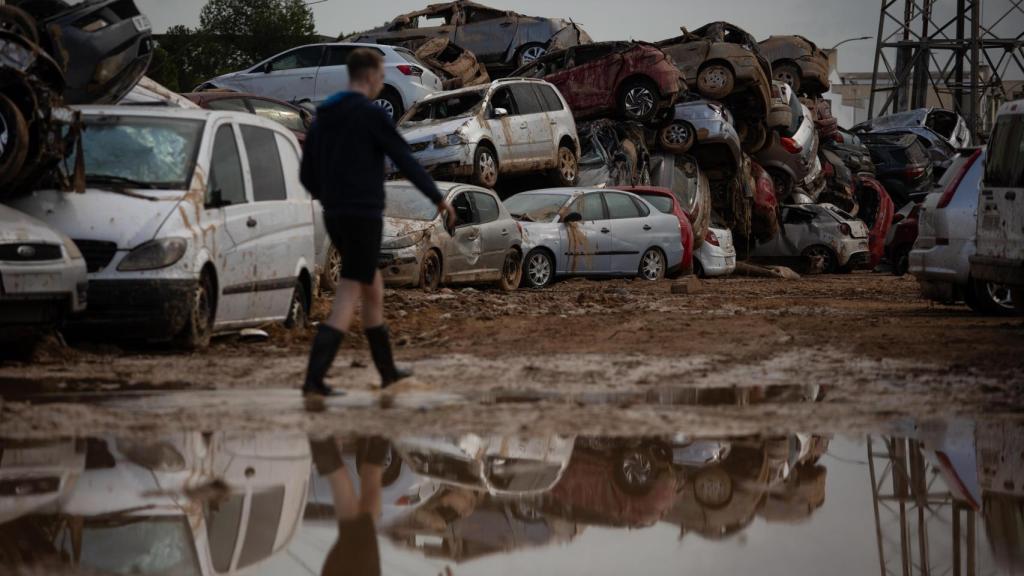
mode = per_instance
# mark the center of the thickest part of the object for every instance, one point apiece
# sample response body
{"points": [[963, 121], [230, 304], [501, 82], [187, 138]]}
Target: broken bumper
{"points": [[445, 161], [153, 309], [998, 270]]}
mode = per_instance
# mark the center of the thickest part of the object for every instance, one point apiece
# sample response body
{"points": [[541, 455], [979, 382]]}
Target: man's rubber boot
{"points": [[380, 348], [321, 356]]}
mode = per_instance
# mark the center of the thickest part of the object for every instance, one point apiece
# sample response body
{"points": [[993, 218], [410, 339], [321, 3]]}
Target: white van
{"points": [[1000, 253], [193, 222]]}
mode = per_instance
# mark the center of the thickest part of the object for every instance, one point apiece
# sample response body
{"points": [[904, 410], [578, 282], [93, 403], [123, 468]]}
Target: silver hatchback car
{"points": [[511, 125], [594, 232], [791, 155]]}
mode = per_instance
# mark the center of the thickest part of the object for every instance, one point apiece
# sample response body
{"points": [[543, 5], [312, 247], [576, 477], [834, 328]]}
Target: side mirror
{"points": [[500, 112], [572, 217]]}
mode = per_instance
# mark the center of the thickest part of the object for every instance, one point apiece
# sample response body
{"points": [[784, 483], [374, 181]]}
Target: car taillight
{"points": [[912, 173], [410, 70], [791, 146], [710, 238], [838, 138], [845, 229], [950, 191]]}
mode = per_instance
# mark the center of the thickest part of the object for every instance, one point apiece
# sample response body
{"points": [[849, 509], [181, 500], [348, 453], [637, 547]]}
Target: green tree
{"points": [[257, 29]]}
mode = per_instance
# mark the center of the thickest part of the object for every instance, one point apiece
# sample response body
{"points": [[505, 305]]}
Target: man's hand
{"points": [[445, 209]]}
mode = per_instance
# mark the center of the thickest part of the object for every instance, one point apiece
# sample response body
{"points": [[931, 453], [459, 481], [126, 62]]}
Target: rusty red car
{"points": [[765, 216], [633, 80], [666, 202]]}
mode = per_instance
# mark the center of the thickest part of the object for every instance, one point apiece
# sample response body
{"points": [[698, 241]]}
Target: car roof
{"points": [[565, 191], [444, 187], [1012, 108], [641, 190], [182, 114], [211, 95]]}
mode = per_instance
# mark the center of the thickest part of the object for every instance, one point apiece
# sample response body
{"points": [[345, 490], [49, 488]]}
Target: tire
{"points": [[901, 264], [636, 470], [698, 269], [538, 270], [391, 102], [430, 272], [331, 275], [568, 170], [392, 465], [14, 140], [17, 21], [638, 100], [716, 81], [829, 265], [755, 139], [788, 73], [652, 265], [511, 271], [199, 326], [485, 167], [529, 53], [678, 137], [989, 299], [298, 309], [782, 182]]}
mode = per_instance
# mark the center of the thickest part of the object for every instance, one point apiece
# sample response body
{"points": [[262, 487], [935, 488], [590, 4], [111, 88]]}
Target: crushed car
{"points": [[946, 123], [682, 175], [457, 67], [798, 62], [819, 238], [902, 165], [791, 155], [501, 39], [508, 126], [419, 250], [706, 123], [613, 154], [631, 80], [192, 223]]}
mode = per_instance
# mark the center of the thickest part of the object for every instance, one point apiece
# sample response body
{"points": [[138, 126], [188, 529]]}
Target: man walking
{"points": [[343, 168]]}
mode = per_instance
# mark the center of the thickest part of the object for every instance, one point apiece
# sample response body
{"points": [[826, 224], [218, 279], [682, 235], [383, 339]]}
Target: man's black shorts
{"points": [[356, 552], [357, 239]]}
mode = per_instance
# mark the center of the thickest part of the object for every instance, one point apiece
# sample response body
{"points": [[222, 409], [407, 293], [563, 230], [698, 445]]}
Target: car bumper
{"points": [[998, 270], [449, 160], [715, 265], [400, 268], [39, 294], [938, 264], [153, 309], [853, 253]]}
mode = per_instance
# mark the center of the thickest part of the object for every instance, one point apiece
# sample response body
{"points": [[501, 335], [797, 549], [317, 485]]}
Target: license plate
{"points": [[142, 23], [990, 221]]}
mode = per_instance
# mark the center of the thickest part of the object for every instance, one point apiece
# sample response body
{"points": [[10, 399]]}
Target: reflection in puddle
{"points": [[930, 498]]}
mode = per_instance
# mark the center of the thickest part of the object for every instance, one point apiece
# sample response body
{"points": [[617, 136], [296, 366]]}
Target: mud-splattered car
{"points": [[683, 176], [791, 155], [193, 222], [594, 232], [508, 126], [632, 80], [949, 125], [292, 117], [798, 62], [484, 246], [819, 237], [665, 200], [501, 39], [705, 123]]}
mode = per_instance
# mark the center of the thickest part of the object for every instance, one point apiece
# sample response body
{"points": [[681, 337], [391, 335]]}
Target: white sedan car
{"points": [[716, 256]]}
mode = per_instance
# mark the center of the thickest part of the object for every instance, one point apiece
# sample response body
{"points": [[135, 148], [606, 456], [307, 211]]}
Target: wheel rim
{"points": [[531, 54], [201, 310], [652, 265], [567, 165], [386, 105], [334, 265], [1000, 295], [639, 102], [487, 168], [637, 468], [430, 272], [539, 270], [511, 269], [715, 77], [677, 134]]}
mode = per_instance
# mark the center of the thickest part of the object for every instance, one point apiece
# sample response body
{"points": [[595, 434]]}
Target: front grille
{"points": [[29, 252], [97, 253]]}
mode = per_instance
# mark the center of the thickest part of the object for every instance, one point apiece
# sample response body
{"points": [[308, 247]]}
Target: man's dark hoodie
{"points": [[343, 160]]}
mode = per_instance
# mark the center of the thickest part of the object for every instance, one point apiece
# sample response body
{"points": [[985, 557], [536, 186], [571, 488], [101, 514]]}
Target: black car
{"points": [[902, 164]]}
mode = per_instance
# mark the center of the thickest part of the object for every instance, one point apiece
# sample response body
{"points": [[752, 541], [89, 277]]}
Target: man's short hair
{"points": [[363, 61]]}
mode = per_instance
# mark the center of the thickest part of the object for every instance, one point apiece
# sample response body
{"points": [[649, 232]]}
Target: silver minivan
{"points": [[507, 126]]}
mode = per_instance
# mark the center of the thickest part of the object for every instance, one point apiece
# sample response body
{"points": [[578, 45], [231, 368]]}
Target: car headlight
{"points": [[72, 249], [407, 241], [154, 255], [455, 139]]}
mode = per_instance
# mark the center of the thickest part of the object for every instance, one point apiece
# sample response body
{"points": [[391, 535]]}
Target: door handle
{"points": [[1011, 195], [306, 77], [647, 226], [605, 230], [524, 125], [504, 232], [251, 222]]}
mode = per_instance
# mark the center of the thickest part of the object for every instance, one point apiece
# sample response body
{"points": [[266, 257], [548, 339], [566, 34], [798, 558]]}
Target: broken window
{"points": [[226, 184], [141, 152], [136, 545], [265, 164]]}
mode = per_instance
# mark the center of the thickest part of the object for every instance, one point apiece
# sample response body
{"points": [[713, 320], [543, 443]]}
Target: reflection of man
{"points": [[355, 552]]}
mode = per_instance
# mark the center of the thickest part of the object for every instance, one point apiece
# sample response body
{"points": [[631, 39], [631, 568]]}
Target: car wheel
{"points": [[199, 325], [14, 140], [298, 309], [392, 465], [568, 167], [698, 269], [755, 139], [332, 270], [636, 470], [652, 265], [529, 53], [989, 298], [511, 271], [712, 487], [485, 167], [901, 264], [538, 270], [391, 102], [824, 254], [782, 182], [19, 22], [638, 100], [677, 137], [716, 81], [788, 73], [430, 272]]}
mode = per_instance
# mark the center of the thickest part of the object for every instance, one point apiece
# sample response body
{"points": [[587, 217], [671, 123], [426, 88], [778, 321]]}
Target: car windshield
{"points": [[406, 202], [138, 545], [535, 207], [141, 151], [454, 106], [662, 203]]}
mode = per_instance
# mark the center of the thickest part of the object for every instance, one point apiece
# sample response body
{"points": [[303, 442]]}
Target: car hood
{"points": [[17, 226], [398, 227], [428, 130], [101, 215]]}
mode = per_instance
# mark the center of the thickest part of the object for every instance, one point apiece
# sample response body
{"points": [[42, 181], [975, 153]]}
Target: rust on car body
{"points": [[798, 62]]}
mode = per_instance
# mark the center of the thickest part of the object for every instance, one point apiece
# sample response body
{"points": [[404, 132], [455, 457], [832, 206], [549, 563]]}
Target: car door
{"points": [[281, 224], [631, 234], [595, 69], [504, 129], [586, 244], [1001, 204], [465, 249], [233, 247], [291, 76], [533, 118], [332, 76], [486, 32], [495, 233]]}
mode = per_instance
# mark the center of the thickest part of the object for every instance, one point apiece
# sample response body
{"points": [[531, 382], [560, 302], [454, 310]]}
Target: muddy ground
{"points": [[599, 357]]}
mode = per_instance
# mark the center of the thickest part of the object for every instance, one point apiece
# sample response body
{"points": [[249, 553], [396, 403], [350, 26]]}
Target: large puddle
{"points": [[918, 497]]}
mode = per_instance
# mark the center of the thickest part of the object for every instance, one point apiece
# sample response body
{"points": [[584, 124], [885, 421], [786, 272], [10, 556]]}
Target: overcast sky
{"points": [[826, 22]]}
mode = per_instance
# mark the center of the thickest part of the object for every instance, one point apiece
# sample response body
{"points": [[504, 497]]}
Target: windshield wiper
{"points": [[127, 182]]}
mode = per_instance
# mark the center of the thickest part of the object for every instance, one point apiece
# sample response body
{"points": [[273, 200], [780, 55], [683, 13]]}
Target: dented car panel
{"points": [[160, 217], [789, 54], [683, 176], [791, 156], [717, 142], [820, 237]]}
